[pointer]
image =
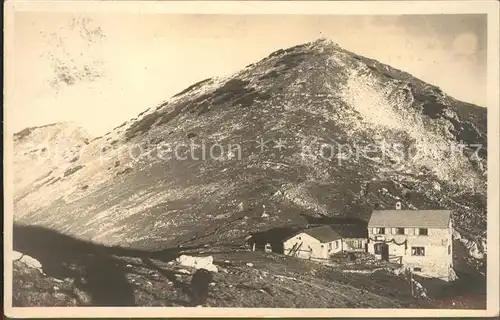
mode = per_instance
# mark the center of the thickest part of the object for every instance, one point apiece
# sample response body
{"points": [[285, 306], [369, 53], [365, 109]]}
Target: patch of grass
{"points": [[266, 95], [52, 181], [470, 134], [291, 60], [372, 67], [288, 50], [168, 116], [140, 114], [193, 86], [141, 126], [72, 170], [121, 125], [165, 103], [234, 89], [276, 53], [249, 98], [387, 75], [233, 86], [26, 131], [433, 109], [270, 75], [23, 133], [44, 176], [32, 289], [124, 171]]}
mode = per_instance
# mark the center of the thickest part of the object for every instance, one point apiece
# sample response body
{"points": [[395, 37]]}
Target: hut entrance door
{"points": [[385, 251]]}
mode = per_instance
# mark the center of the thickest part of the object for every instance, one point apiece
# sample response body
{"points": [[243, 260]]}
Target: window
{"points": [[400, 230], [378, 248], [336, 244], [330, 246], [379, 231], [423, 231], [417, 269], [449, 249], [356, 244], [298, 238], [417, 251]]}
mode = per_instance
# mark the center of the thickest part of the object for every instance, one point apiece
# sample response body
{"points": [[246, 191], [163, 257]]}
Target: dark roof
{"points": [[410, 218], [329, 233], [323, 234], [275, 234], [351, 231]]}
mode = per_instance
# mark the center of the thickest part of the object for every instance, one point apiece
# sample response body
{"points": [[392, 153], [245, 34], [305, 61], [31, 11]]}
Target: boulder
{"points": [[30, 261], [198, 262]]}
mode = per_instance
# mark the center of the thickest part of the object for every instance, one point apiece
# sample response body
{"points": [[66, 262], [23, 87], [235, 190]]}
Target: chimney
{"points": [[398, 205]]}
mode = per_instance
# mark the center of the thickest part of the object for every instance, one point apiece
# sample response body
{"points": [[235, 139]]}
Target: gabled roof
{"points": [[323, 234], [275, 234], [410, 218], [329, 233], [351, 231]]}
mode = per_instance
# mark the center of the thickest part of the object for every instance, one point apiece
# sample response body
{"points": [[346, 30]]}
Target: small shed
{"points": [[321, 242], [313, 243], [271, 240]]}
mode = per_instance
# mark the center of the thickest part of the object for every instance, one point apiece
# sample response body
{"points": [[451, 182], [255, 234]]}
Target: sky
{"points": [[100, 70]]}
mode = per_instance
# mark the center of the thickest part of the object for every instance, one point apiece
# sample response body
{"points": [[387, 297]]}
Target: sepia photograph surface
{"points": [[251, 159]]}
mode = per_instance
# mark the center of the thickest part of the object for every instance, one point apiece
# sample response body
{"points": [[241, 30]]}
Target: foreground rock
{"points": [[198, 262]]}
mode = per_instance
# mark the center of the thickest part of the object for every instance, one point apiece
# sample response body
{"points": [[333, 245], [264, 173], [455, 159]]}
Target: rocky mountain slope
{"points": [[38, 151], [307, 134], [313, 131], [318, 101]]}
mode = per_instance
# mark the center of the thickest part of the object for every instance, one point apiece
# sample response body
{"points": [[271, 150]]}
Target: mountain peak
{"points": [[64, 127], [316, 108]]}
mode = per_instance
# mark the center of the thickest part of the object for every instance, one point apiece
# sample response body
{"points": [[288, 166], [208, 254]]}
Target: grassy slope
{"points": [[83, 273], [297, 96]]}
